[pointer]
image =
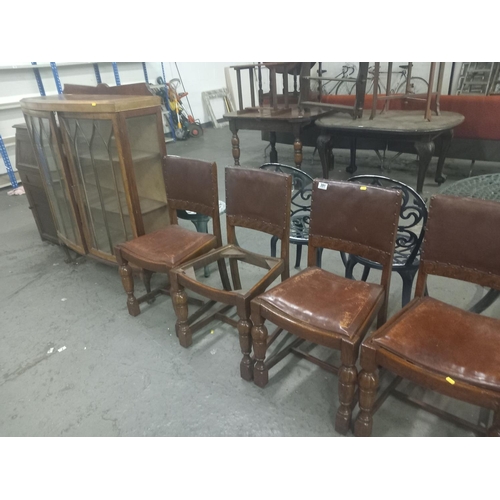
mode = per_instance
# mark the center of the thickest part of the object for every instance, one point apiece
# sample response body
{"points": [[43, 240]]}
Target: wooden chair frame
{"points": [[374, 357], [348, 347], [147, 268], [182, 277]]}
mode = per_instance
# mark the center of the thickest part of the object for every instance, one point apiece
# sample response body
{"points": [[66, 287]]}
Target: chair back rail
{"points": [[361, 220], [192, 185], [412, 218], [461, 241], [300, 200], [258, 199], [354, 219]]}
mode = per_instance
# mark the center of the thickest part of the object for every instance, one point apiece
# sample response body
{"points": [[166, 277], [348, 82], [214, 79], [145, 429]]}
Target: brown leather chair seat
{"points": [[190, 185], [167, 247], [460, 344], [433, 344], [328, 302], [323, 308]]}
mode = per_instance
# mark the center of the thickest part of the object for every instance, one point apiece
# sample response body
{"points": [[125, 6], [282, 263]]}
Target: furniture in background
{"points": [[300, 207], [190, 185], [476, 138], [434, 344], [273, 113], [430, 99], [100, 158], [31, 179], [394, 125], [484, 187], [258, 200], [324, 308], [411, 228]]}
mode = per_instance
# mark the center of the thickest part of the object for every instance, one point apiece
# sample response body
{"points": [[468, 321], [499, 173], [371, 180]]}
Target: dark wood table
{"points": [[267, 119], [484, 187], [401, 126]]}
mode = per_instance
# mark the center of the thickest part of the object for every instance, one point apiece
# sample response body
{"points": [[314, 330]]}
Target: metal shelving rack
{"points": [[477, 78]]}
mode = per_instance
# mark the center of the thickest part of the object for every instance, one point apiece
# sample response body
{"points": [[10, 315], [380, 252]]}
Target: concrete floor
{"points": [[110, 374]]}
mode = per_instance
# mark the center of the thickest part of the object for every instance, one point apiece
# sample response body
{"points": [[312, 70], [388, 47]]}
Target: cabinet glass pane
{"points": [[147, 161], [95, 157], [45, 148]]}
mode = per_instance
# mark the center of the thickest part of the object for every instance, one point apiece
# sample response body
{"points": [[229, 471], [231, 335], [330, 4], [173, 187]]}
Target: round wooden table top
{"points": [[396, 122]]}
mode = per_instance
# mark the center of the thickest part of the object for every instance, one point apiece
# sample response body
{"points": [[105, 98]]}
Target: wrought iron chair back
{"points": [[411, 229], [300, 206]]}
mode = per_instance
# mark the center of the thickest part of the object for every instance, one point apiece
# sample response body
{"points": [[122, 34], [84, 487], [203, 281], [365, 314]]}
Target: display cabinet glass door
{"points": [[146, 153], [43, 132], [95, 158]]}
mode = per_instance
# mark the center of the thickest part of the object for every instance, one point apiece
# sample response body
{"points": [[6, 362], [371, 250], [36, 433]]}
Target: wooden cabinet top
{"points": [[89, 103]]}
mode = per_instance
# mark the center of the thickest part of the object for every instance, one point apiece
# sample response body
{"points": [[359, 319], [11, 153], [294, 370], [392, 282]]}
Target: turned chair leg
{"points": [[128, 284], [348, 377], [182, 329], [259, 341], [246, 365], [368, 385]]}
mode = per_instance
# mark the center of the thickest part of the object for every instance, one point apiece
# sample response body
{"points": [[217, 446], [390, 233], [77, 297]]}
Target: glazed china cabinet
{"points": [[100, 159]]}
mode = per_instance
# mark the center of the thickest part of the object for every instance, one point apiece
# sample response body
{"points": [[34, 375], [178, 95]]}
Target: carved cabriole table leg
{"points": [[352, 164], [447, 138], [425, 150], [324, 145], [273, 155]]}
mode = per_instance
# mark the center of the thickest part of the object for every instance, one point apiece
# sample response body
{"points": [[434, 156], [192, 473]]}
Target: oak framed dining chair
{"points": [[325, 308]]}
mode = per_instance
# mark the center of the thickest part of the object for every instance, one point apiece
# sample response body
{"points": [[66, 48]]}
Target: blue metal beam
{"points": [[38, 79], [8, 165]]}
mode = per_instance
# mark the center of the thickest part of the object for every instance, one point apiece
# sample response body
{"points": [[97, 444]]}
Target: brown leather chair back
{"points": [[258, 199], [462, 241], [192, 185], [361, 220]]}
